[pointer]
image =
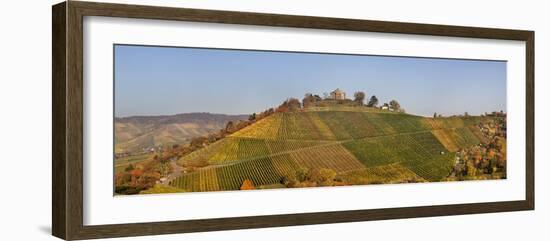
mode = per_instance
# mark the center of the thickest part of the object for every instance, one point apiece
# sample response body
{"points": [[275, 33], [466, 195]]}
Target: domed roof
{"points": [[337, 91]]}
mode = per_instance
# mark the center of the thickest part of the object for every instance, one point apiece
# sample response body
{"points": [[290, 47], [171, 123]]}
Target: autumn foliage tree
{"points": [[247, 185], [324, 177], [307, 100], [291, 104], [198, 141], [229, 127], [310, 178], [359, 97]]}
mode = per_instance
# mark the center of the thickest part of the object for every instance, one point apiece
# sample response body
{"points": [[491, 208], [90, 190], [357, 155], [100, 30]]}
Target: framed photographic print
{"points": [[213, 120]]}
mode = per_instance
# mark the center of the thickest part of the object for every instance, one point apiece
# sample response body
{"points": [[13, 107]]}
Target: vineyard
{"points": [[361, 147], [349, 124], [262, 171], [391, 173], [454, 139], [477, 133], [267, 128], [334, 157], [234, 149], [270, 170]]}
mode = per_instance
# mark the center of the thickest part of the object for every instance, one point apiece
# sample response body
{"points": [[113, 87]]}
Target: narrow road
{"points": [[176, 172]]}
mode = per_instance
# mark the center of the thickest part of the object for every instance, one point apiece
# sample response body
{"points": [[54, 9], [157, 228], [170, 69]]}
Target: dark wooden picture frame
{"points": [[67, 124]]}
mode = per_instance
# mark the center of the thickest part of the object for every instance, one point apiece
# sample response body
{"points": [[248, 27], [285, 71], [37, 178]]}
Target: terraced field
{"points": [[267, 128], [454, 122], [445, 139], [334, 157], [403, 123], [421, 152], [262, 171], [234, 149], [270, 170], [454, 139], [477, 132], [349, 124], [201, 181], [229, 149], [361, 146], [279, 146]]}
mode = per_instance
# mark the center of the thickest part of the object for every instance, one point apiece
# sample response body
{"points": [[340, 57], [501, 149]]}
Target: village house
{"points": [[338, 94]]}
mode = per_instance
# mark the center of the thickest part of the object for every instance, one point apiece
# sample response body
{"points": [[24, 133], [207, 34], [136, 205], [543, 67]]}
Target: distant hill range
{"points": [[139, 133]]}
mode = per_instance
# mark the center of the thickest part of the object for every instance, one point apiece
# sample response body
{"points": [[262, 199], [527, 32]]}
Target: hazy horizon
{"points": [[152, 81]]}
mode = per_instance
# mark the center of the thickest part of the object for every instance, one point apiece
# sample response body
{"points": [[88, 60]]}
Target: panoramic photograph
{"points": [[206, 120]]}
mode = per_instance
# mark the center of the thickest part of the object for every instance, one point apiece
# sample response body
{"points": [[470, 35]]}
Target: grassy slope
{"points": [[360, 145]]}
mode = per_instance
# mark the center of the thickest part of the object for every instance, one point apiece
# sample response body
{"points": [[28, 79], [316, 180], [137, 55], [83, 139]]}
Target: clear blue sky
{"points": [[167, 80]]}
